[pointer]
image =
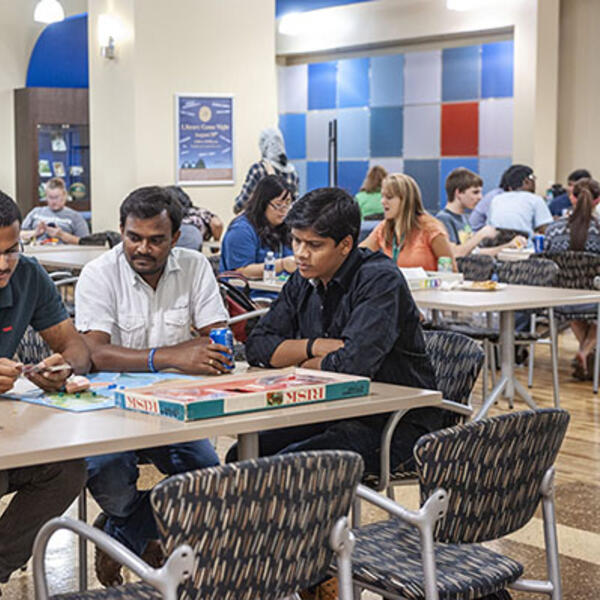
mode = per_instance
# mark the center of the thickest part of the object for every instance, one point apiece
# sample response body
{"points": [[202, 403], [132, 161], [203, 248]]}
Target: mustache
{"points": [[144, 257]]}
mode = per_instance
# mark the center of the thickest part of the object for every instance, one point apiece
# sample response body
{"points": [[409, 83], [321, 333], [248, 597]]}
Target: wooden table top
{"points": [[33, 434], [513, 297]]}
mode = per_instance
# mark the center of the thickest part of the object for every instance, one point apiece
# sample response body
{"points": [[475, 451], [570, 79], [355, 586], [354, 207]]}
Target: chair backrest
{"points": [[476, 267], [492, 470], [259, 528], [536, 271], [215, 261], [577, 270], [32, 348], [457, 361]]}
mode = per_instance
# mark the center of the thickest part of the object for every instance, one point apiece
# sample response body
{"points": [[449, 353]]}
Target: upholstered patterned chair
{"points": [[578, 270], [262, 528], [457, 361], [534, 271], [479, 481], [476, 267]]}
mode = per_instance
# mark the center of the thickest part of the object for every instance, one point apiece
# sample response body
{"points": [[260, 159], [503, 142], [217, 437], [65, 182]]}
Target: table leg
{"points": [[597, 357], [247, 445], [489, 402], [82, 510], [554, 355], [507, 348]]}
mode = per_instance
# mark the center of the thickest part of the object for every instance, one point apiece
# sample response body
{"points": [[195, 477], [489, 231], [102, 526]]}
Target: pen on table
{"points": [[52, 369]]}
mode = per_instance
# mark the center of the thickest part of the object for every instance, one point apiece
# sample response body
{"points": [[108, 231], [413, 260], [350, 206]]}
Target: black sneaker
{"points": [[108, 570]]}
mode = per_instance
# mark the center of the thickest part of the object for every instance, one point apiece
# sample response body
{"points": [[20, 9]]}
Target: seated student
{"points": [[479, 215], [137, 305], [563, 202], [198, 224], [348, 310], [55, 220], [369, 197], [520, 208], [463, 190], [28, 297], [408, 234], [580, 231], [259, 229]]}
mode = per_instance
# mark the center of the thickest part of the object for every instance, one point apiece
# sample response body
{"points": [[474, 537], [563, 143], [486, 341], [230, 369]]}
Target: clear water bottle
{"points": [[269, 268]]}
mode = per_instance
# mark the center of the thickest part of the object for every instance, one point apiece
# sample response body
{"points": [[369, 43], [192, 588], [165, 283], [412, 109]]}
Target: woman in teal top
{"points": [[369, 197]]}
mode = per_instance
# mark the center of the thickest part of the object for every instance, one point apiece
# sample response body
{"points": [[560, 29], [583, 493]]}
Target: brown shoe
{"points": [[326, 590], [153, 554], [108, 570]]}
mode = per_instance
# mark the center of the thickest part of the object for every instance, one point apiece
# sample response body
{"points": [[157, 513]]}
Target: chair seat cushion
{"points": [[132, 591], [387, 556]]}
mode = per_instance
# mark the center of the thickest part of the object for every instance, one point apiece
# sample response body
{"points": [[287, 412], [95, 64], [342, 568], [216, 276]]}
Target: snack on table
{"points": [[484, 285]]}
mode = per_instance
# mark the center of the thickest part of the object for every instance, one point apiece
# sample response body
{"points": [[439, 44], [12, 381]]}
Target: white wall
{"points": [[185, 46], [534, 24], [18, 34], [579, 90]]}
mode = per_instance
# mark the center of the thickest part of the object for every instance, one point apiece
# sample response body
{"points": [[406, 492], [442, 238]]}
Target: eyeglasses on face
{"points": [[280, 206]]}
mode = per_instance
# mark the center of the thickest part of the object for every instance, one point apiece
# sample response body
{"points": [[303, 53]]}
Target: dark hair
{"points": [[9, 211], [579, 174], [184, 199], [151, 201], [329, 212], [514, 176], [268, 188], [587, 192], [461, 179]]}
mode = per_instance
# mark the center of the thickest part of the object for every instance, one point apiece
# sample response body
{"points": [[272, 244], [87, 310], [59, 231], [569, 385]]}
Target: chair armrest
{"points": [[249, 315], [461, 409], [166, 580], [424, 519]]}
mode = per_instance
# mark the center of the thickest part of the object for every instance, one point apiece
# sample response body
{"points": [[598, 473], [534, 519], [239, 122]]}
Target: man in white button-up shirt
{"points": [[138, 305]]}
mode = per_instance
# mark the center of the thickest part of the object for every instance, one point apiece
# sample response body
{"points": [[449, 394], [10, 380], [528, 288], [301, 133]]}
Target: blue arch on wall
{"points": [[60, 56], [283, 7]]}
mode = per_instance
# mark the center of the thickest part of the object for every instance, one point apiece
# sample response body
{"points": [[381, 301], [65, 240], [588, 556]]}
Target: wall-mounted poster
{"points": [[204, 138]]}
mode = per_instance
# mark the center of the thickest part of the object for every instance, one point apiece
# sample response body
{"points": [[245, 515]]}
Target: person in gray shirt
{"points": [[55, 220]]}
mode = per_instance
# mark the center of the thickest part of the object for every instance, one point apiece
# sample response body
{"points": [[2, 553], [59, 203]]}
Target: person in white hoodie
{"points": [[273, 161]]}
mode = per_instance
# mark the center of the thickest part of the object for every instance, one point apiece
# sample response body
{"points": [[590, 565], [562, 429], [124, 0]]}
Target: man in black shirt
{"points": [[349, 310]]}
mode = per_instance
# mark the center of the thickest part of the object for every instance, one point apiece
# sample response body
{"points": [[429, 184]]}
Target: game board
{"points": [[188, 401], [101, 392]]}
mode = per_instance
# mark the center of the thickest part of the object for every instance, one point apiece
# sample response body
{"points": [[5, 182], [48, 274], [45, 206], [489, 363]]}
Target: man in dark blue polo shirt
{"points": [[349, 310], [28, 297]]}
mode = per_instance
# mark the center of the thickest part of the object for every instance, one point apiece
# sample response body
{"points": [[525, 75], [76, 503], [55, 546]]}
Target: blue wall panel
{"points": [[293, 127], [353, 82], [316, 175], [351, 174], [387, 80], [497, 70], [427, 174], [283, 7], [322, 85], [460, 73], [386, 131]]}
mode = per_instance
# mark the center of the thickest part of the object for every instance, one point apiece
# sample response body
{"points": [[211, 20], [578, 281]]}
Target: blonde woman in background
{"points": [[408, 234], [369, 197]]}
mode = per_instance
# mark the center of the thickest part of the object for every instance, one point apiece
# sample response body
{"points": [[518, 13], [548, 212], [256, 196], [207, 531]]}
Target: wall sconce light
{"points": [[48, 11], [109, 29]]}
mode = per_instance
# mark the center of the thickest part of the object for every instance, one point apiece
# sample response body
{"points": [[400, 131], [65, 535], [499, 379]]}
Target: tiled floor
{"points": [[577, 499]]}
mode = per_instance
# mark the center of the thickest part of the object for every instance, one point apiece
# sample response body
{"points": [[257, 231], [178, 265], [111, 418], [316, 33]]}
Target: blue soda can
{"points": [[223, 336], [538, 242]]}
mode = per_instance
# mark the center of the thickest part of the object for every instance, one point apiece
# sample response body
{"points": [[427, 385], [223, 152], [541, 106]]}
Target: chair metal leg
{"points": [[82, 515], [597, 356], [486, 364], [389, 492], [550, 536]]}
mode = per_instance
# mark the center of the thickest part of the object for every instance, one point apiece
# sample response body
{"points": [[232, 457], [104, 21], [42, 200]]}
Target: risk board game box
{"points": [[192, 400]]}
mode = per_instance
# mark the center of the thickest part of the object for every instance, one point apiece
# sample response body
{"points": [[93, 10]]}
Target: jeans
{"points": [[42, 492], [354, 435], [112, 481]]}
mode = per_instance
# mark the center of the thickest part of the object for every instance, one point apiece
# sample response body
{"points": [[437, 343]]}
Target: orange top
{"points": [[417, 250]]}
